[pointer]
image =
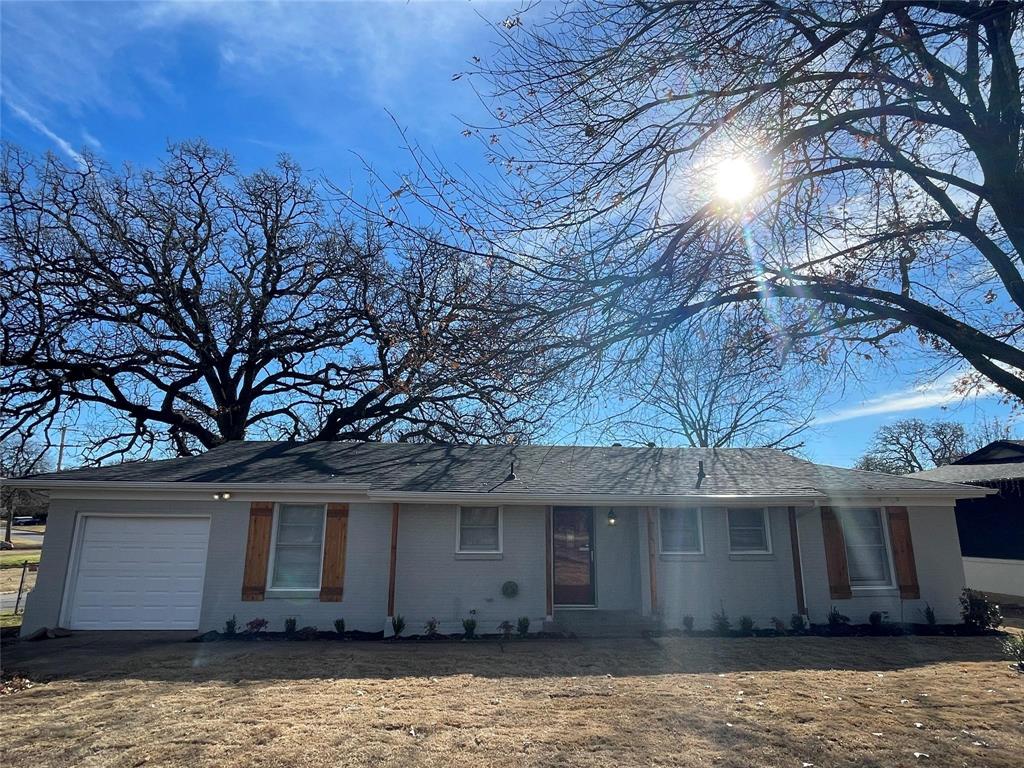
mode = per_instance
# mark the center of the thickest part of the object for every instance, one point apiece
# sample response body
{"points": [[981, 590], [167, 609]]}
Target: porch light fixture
{"points": [[222, 495], [611, 517]]}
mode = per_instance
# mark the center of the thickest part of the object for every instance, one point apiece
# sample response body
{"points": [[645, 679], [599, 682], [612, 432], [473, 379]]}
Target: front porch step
{"points": [[603, 623]]}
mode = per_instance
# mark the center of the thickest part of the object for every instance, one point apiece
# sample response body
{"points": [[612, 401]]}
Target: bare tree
{"points": [[878, 146], [706, 385], [17, 459], [190, 304], [912, 445]]}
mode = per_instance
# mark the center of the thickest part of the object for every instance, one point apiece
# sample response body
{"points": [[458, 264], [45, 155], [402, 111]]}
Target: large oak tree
{"points": [[190, 304]]}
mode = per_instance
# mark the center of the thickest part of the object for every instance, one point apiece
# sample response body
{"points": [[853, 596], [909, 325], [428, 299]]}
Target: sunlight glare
{"points": [[735, 180]]}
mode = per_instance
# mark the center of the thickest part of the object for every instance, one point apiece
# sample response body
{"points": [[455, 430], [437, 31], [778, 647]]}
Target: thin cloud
{"points": [[62, 144], [937, 393]]}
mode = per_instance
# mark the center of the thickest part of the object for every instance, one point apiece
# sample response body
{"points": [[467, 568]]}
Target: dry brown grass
{"points": [[667, 702], [9, 578]]}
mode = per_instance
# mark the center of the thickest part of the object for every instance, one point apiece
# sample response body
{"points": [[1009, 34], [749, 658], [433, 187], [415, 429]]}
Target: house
{"points": [[364, 531], [991, 527]]}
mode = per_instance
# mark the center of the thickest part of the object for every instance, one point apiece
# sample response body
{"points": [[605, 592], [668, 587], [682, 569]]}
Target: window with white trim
{"points": [[479, 529], [748, 531], [867, 551], [681, 531], [298, 546]]}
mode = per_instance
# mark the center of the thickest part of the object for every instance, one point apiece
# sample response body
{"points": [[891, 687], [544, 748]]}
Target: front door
{"points": [[573, 556]]}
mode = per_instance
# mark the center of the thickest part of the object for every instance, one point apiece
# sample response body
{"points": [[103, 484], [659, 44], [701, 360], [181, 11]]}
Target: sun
{"points": [[735, 180]]}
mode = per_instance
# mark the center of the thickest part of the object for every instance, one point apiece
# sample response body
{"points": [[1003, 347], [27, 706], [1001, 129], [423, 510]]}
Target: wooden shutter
{"points": [[257, 550], [835, 556], [903, 552], [332, 580]]}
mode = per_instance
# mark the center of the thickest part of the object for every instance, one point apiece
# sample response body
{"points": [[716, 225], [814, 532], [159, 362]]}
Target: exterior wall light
{"points": [[222, 495], [611, 517]]}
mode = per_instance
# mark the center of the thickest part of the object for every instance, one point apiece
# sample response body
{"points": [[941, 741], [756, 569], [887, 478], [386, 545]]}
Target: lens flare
{"points": [[735, 180]]}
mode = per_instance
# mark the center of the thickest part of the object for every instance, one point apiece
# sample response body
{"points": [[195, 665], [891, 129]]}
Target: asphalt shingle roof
{"points": [[974, 473], [406, 467]]}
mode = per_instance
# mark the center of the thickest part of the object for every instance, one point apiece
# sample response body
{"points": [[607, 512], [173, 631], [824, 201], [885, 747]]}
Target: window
{"points": [[681, 531], [298, 546], [867, 554], [748, 532], [479, 529]]}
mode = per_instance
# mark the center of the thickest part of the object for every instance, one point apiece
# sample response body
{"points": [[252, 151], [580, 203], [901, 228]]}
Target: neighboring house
{"points": [[991, 528], [364, 531]]}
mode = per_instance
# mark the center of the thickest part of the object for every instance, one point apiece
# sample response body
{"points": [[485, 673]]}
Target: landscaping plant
{"points": [[836, 619], [797, 623], [720, 623], [398, 624], [469, 625], [339, 626], [979, 613], [929, 614], [746, 625], [523, 626], [256, 626], [688, 623], [430, 628], [231, 626], [1013, 647], [289, 625], [875, 620], [306, 633], [506, 629]]}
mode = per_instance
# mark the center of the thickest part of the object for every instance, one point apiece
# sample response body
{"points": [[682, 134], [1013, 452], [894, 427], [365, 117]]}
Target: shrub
{"points": [[875, 620], [523, 626], [720, 623], [978, 612], [469, 625], [289, 625], [398, 624], [797, 623], [746, 625], [777, 624], [339, 626], [306, 633], [231, 626], [430, 628], [929, 614], [836, 619], [688, 623], [506, 629], [1013, 647], [256, 626]]}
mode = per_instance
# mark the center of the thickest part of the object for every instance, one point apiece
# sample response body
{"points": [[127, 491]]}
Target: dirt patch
{"points": [[687, 701]]}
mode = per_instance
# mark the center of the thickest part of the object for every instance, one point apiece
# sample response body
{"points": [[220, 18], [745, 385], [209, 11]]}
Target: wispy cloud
{"points": [[943, 391], [40, 126]]}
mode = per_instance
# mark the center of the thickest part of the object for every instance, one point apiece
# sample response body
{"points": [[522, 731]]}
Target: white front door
{"points": [[138, 573]]}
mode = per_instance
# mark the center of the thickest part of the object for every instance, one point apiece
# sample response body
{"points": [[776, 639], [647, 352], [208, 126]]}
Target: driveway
{"points": [[116, 699]]}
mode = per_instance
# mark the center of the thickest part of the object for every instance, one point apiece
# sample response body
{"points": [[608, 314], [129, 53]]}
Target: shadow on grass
{"points": [[165, 656]]}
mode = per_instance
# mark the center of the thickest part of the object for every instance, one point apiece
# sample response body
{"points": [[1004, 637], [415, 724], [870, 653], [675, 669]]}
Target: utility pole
{"points": [[60, 450]]}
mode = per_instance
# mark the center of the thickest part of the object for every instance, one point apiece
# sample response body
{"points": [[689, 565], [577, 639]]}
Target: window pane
{"points": [[297, 550], [747, 530], [866, 553], [680, 530], [478, 530]]}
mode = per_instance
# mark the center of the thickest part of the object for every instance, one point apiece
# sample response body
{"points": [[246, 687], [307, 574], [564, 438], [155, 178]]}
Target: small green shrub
{"points": [[720, 623], [797, 623], [688, 623], [523, 626], [398, 624], [231, 626], [506, 628], [430, 628], [1013, 647], [289, 625], [746, 625], [929, 614], [339, 626], [875, 620], [256, 626], [836, 619], [469, 625], [978, 612]]}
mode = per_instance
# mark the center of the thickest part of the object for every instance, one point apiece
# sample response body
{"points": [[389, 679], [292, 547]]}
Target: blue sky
{"points": [[323, 82]]}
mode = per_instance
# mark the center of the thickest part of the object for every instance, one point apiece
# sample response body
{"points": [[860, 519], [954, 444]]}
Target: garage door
{"points": [[139, 573]]}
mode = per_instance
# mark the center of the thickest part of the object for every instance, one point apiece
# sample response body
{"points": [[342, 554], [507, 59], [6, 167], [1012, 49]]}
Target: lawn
{"points": [[13, 558], [680, 701]]}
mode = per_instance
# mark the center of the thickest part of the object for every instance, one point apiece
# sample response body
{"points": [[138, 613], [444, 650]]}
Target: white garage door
{"points": [[139, 573]]}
